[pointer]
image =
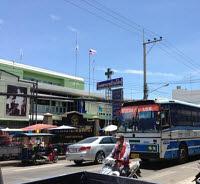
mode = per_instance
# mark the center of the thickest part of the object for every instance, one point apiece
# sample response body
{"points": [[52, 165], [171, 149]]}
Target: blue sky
{"points": [[45, 32]]}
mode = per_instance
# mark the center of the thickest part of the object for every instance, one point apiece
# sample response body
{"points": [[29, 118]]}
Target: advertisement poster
{"points": [[16, 105]]}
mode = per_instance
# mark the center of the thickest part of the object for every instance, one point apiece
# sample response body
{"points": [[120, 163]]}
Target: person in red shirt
{"points": [[121, 153]]}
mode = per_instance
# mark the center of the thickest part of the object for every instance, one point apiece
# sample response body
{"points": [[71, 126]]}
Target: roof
{"points": [[64, 90], [159, 101], [36, 69]]}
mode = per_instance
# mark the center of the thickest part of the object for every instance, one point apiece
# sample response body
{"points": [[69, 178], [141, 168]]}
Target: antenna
{"points": [[21, 54], [76, 53]]}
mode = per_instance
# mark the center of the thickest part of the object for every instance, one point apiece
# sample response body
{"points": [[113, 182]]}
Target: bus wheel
{"points": [[183, 154]]}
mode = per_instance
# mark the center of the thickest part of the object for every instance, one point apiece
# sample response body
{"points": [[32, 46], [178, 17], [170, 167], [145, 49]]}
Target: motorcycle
{"points": [[39, 156], [49, 156], [53, 156], [111, 167]]}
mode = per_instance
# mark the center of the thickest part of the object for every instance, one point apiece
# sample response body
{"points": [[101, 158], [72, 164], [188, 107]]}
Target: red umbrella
{"points": [[38, 127]]}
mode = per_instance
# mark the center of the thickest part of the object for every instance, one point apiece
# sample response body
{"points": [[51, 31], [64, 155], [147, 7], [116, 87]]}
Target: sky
{"points": [[43, 34]]}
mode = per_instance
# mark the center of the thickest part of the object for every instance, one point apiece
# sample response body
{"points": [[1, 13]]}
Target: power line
{"points": [[139, 28], [122, 19], [96, 15]]}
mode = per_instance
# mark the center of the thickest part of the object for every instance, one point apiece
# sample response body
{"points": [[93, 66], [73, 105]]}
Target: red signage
{"points": [[141, 108]]}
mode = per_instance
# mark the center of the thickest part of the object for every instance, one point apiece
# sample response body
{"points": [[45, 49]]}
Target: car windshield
{"points": [[88, 140]]}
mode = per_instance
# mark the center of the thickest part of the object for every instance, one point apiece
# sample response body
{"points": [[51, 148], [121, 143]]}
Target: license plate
{"points": [[135, 155], [73, 150]]}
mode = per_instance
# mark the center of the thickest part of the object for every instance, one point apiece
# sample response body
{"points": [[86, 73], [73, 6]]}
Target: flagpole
{"points": [[76, 54], [89, 71], [93, 74]]}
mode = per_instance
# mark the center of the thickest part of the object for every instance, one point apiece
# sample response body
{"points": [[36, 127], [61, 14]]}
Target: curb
{"points": [[16, 162]]}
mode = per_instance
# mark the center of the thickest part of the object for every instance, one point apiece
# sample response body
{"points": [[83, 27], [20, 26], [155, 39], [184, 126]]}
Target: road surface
{"points": [[159, 172]]}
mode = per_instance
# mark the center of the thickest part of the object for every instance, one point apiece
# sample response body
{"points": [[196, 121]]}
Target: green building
{"points": [[52, 87]]}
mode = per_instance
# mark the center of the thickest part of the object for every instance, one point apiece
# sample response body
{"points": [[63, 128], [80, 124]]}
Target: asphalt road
{"points": [[159, 172]]}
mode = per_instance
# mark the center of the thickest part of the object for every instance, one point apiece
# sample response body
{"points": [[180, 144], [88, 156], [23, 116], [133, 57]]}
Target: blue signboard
{"points": [[117, 94], [118, 82]]}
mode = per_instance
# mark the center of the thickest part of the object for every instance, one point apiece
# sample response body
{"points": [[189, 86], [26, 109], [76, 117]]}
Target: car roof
{"points": [[101, 136]]}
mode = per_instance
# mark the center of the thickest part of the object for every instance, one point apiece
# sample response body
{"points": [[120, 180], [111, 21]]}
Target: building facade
{"points": [[191, 96], [55, 93]]}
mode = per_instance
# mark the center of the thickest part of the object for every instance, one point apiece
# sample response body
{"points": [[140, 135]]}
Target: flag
{"points": [[92, 51]]}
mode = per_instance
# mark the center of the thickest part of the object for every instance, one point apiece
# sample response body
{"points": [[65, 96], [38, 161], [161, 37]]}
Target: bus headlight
{"points": [[154, 148], [150, 148]]}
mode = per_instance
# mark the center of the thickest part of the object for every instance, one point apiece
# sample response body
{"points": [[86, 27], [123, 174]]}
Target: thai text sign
{"points": [[117, 97], [110, 83]]}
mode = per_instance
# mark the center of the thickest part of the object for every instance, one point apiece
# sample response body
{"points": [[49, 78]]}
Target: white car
{"points": [[91, 149]]}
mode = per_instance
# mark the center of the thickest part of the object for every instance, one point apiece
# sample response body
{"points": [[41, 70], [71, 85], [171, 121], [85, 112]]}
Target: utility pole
{"points": [[155, 40]]}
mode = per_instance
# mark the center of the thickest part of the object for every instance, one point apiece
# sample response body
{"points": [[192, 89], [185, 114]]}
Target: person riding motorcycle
{"points": [[121, 153]]}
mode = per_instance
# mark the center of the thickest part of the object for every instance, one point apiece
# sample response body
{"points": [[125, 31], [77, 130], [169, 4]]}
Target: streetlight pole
{"points": [[145, 89], [165, 85]]}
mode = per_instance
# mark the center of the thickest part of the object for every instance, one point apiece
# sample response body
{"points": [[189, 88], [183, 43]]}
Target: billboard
{"points": [[117, 94], [118, 82], [16, 105]]}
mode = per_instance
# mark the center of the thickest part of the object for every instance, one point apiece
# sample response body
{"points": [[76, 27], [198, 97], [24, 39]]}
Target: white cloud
{"points": [[72, 29], [139, 72], [54, 18], [1, 21]]}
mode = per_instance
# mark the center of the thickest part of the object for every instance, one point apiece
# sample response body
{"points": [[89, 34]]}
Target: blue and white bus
{"points": [[161, 129]]}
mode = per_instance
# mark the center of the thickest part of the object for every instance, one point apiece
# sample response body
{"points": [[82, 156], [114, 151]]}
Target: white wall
{"points": [[192, 96]]}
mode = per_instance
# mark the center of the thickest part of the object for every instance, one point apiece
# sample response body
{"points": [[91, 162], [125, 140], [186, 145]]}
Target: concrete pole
{"points": [[145, 74], [1, 177]]}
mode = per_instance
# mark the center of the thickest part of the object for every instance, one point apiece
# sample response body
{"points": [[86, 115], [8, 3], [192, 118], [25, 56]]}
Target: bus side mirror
{"points": [[162, 115]]}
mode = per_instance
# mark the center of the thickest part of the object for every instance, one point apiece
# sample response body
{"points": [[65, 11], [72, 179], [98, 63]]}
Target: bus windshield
{"points": [[139, 118]]}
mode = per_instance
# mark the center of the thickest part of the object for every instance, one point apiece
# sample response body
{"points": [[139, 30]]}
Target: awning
{"points": [[11, 130], [38, 127], [110, 128], [33, 134], [63, 127]]}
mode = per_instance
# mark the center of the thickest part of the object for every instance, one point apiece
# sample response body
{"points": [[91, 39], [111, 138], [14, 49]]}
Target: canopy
{"points": [[110, 128], [11, 130], [38, 127], [33, 135], [63, 127]]}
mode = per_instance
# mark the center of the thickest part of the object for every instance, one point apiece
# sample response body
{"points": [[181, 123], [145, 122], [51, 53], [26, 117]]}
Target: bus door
{"points": [[165, 119], [165, 124]]}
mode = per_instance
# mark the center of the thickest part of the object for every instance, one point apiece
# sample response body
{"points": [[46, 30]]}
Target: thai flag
{"points": [[92, 51]]}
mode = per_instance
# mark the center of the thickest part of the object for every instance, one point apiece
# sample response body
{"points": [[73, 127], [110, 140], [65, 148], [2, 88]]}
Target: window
{"points": [[87, 140], [106, 140], [145, 115], [114, 140], [43, 102]]}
